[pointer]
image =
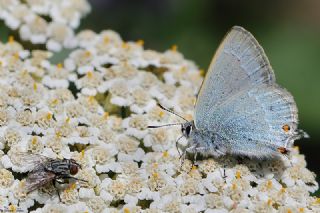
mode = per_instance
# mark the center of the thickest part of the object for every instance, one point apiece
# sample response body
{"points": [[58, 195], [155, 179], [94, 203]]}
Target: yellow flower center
{"points": [[11, 39], [161, 114], [49, 116], [106, 40], [71, 187], [54, 102], [183, 70], [90, 74], [234, 186], [12, 208], [59, 66], [140, 42], [126, 210], [165, 154], [194, 167], [238, 174], [88, 54], [155, 175], [58, 134], [91, 99], [125, 45], [82, 154], [35, 86], [34, 141], [155, 165], [16, 56], [106, 115], [174, 48], [202, 72]]}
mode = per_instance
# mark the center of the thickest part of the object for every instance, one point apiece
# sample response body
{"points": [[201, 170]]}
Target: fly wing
{"points": [[38, 178], [239, 63], [28, 161]]}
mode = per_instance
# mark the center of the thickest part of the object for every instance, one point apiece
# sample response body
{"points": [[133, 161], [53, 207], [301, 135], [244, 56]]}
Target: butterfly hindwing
{"points": [[257, 121]]}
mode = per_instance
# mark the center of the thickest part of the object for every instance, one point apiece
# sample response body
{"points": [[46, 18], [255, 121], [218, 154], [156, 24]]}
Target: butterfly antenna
{"points": [[153, 127], [172, 112]]}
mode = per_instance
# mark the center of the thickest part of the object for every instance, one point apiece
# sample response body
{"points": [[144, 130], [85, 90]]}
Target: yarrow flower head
{"points": [[95, 106]]}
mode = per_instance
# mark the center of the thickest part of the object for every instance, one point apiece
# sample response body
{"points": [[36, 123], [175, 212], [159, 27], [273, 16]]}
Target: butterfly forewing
{"points": [[239, 63]]}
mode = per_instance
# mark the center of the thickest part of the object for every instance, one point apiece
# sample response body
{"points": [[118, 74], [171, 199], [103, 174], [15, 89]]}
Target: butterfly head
{"points": [[187, 128]]}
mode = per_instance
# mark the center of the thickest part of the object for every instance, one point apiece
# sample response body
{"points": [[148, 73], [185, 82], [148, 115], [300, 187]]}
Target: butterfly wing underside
{"points": [[240, 101]]}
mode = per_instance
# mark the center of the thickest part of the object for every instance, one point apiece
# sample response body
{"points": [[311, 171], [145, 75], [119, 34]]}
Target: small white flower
{"points": [[136, 125], [34, 30], [120, 94], [299, 176]]}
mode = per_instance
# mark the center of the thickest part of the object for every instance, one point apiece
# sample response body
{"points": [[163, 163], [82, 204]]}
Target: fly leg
{"points": [[54, 181], [73, 178]]}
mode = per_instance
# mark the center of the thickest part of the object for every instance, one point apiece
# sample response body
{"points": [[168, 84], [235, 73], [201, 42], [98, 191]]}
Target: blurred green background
{"points": [[288, 30]]}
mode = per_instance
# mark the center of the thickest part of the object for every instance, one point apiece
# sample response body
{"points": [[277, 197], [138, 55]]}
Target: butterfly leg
{"points": [[183, 156], [197, 150], [194, 158]]}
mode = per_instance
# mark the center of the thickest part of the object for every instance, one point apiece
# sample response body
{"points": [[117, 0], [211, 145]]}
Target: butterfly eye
{"points": [[286, 128], [188, 130]]}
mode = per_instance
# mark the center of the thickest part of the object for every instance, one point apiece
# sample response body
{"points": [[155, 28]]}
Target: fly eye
{"points": [[73, 169]]}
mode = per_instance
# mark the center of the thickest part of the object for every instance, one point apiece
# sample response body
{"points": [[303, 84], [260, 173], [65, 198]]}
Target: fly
{"points": [[43, 170]]}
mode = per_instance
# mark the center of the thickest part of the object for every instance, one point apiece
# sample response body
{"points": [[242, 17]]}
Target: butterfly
{"points": [[240, 109]]}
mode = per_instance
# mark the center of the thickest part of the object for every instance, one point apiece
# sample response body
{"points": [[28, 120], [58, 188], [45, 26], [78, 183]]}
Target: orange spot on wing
{"points": [[286, 128], [282, 150]]}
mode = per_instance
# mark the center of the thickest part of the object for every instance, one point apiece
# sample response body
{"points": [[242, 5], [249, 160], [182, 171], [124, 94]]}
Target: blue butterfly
{"points": [[240, 109]]}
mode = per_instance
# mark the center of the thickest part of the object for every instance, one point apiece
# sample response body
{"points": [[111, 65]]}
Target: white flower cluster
{"points": [[45, 22], [95, 107]]}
